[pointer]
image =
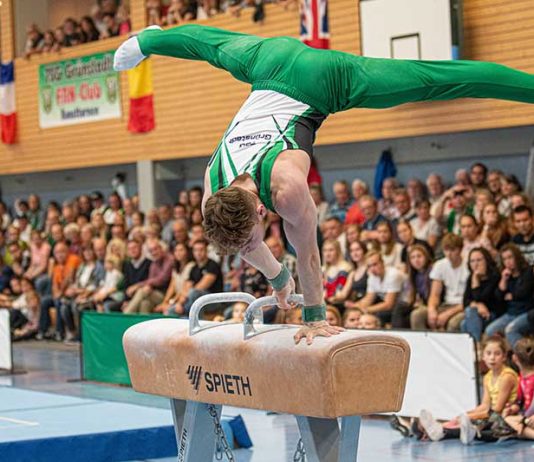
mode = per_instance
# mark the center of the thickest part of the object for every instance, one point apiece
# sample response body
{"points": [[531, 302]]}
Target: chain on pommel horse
{"points": [[203, 366]]}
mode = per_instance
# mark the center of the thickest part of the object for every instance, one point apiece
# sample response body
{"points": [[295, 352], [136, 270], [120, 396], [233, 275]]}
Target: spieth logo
{"points": [[228, 384]]}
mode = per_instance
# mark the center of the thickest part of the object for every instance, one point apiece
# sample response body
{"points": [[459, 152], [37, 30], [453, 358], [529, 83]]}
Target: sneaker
{"points": [[40, 336], [432, 427], [468, 432], [396, 424], [58, 337], [129, 54]]}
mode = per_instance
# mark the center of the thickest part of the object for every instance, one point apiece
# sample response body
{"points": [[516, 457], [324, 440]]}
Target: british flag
{"points": [[314, 30]]}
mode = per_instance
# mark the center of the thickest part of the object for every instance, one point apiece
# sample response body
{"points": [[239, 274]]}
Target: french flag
{"points": [[8, 116], [314, 29]]}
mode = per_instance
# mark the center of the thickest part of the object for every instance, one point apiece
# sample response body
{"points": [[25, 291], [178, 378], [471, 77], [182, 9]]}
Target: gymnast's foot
{"points": [[129, 54]]}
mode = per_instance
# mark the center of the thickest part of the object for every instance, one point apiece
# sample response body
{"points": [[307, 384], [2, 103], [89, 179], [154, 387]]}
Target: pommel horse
{"points": [[202, 366]]}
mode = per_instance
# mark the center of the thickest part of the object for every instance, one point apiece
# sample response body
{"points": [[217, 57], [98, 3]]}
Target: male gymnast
{"points": [[263, 159]]}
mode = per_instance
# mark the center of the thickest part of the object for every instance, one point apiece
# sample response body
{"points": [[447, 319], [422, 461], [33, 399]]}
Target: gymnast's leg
{"points": [[381, 83]]}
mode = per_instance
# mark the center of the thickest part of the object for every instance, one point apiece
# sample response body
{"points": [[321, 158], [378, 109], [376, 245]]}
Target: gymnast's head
{"points": [[233, 220]]}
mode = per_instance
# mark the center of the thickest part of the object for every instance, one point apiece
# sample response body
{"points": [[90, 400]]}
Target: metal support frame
{"points": [[324, 442], [193, 426]]}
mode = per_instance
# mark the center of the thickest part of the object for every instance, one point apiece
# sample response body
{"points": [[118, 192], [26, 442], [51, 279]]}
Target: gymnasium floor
{"points": [[55, 369]]}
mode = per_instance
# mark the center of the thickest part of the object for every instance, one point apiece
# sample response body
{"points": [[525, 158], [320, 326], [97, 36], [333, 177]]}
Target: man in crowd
{"points": [[524, 239], [369, 208], [342, 202]]}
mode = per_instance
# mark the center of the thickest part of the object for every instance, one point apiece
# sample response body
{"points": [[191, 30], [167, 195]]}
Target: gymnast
{"points": [[263, 159]]}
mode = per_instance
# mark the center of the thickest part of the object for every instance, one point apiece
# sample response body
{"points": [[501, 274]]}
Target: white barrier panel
{"points": [[442, 374], [5, 341]]}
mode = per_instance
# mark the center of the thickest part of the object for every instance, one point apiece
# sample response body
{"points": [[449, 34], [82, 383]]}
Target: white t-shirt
{"points": [[453, 279], [394, 258], [424, 230], [391, 283]]}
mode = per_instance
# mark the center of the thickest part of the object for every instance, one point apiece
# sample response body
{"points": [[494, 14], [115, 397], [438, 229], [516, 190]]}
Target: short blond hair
{"points": [[229, 216]]}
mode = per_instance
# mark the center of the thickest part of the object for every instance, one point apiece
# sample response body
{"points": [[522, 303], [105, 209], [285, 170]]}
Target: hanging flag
{"points": [[8, 116], [314, 29], [141, 118]]}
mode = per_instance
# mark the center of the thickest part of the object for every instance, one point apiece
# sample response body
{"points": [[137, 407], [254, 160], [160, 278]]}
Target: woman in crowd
{"points": [[390, 249], [408, 239], [117, 248], [510, 185], [494, 228], [99, 225], [180, 275], [356, 285], [515, 290], [469, 230], [49, 41], [333, 316], [335, 269], [351, 318], [419, 267], [89, 31], [481, 305]]}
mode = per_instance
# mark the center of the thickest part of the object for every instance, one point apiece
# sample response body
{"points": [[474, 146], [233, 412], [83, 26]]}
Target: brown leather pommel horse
{"points": [[344, 376]]}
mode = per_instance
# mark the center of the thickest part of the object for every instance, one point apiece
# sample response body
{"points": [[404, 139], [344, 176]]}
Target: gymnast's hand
{"points": [[282, 295], [316, 329]]}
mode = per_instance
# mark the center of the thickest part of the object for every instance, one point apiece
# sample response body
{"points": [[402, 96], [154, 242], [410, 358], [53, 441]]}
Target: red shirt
{"points": [[354, 215], [525, 394]]}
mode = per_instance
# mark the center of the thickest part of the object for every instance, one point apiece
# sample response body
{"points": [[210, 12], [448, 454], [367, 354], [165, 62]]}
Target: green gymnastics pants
{"points": [[332, 81]]}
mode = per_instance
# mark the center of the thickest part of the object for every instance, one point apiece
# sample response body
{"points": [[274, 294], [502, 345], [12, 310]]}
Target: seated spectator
{"points": [[78, 294], [99, 225], [457, 197], [494, 181], [524, 239], [351, 318], [63, 270], [481, 305], [494, 227], [386, 205], [108, 292], [34, 41], [510, 185], [117, 249], [276, 246], [28, 318], [369, 208], [403, 206], [179, 233], [205, 278], [135, 271], [40, 251], [335, 269], [19, 260], [339, 207], [424, 225], [5, 219], [89, 30], [449, 276], [73, 238], [419, 282], [477, 176], [383, 298], [6, 273], [332, 230], [150, 292], [515, 290], [483, 197], [333, 316], [469, 230], [114, 208], [407, 239], [253, 282], [391, 251], [356, 285], [354, 213], [370, 321], [416, 191], [35, 214]]}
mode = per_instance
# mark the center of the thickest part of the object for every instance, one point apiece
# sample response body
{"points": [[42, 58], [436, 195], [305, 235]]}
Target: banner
{"points": [[78, 90], [5, 341]]}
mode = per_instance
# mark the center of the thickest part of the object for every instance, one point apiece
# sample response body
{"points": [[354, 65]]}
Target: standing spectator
{"points": [[424, 225], [515, 289], [59, 39], [449, 276], [89, 30], [34, 41], [150, 292], [316, 193], [72, 36], [386, 205], [369, 208], [524, 239], [481, 305], [342, 201], [383, 298], [354, 213], [49, 42], [477, 175], [112, 27], [205, 278], [123, 20], [63, 271]]}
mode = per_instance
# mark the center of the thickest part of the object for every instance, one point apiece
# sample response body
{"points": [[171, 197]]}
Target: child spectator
{"points": [[351, 318], [419, 282], [335, 269], [494, 228], [238, 312], [370, 321], [108, 291], [481, 305], [333, 316], [520, 415], [391, 251], [408, 239]]}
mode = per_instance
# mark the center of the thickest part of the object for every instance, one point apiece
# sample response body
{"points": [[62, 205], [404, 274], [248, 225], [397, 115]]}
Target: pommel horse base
{"points": [[201, 367]]}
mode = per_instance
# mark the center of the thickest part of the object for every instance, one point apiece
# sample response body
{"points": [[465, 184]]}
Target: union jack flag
{"points": [[314, 29]]}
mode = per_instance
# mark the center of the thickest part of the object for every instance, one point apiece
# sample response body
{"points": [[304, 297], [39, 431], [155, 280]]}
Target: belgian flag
{"points": [[141, 118]]}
